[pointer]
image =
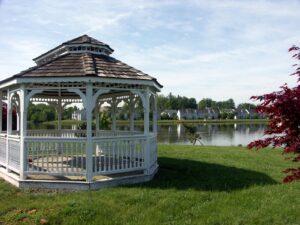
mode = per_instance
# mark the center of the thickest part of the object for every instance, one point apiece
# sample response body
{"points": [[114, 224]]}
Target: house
{"points": [[169, 113], [248, 114], [242, 114], [79, 115], [194, 114]]}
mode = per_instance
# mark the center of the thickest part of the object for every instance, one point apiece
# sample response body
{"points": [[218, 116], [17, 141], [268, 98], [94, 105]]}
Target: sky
{"points": [[203, 49]]}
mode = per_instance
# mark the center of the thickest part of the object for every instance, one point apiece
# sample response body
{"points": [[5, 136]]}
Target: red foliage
{"points": [[283, 110]]}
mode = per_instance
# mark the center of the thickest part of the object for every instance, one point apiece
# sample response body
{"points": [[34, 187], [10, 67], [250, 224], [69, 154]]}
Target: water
{"points": [[211, 134]]}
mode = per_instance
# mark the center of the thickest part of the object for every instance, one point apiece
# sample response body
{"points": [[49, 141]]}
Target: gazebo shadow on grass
{"points": [[186, 174]]}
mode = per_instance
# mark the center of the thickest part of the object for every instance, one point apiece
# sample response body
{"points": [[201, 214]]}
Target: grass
{"points": [[195, 185]]}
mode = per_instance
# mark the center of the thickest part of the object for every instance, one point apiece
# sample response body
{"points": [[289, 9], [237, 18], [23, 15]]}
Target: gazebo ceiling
{"points": [[82, 57]]}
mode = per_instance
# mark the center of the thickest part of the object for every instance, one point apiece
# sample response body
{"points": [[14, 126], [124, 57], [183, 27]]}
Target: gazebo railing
{"points": [[10, 152], [67, 156], [122, 154], [57, 133], [153, 150], [3, 144], [14, 153], [56, 156], [79, 133]]}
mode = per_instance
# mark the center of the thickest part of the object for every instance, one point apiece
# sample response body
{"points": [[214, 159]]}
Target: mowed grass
{"points": [[195, 185]]}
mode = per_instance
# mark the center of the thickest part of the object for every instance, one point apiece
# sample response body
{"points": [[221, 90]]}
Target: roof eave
{"points": [[20, 80]]}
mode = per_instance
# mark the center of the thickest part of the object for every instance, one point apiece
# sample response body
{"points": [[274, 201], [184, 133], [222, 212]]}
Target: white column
{"points": [[89, 108], [154, 114], [131, 112], [18, 118], [8, 126], [23, 130], [1, 96], [9, 114], [97, 116], [146, 106], [59, 113], [113, 112]]}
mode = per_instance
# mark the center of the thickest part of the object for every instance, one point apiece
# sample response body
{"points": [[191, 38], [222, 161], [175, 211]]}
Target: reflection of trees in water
{"points": [[250, 128], [210, 132], [168, 134]]}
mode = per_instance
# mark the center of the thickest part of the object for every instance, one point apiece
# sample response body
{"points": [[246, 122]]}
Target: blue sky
{"points": [[217, 49]]}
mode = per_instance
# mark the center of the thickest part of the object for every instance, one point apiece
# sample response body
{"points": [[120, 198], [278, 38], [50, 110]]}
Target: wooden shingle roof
{"points": [[83, 64]]}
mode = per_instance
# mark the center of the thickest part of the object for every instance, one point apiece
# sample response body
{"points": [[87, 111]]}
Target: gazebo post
{"points": [[97, 117], [154, 114], [18, 118], [8, 127], [59, 110], [131, 111], [113, 112], [89, 152], [146, 112], [146, 105], [23, 129]]}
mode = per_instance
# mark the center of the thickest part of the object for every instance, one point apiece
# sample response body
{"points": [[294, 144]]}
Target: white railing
{"points": [[153, 150], [14, 153], [67, 156], [122, 154], [79, 133], [56, 156], [3, 143], [56, 133], [109, 133]]}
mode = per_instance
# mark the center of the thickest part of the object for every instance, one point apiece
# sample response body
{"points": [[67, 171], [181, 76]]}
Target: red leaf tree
{"points": [[283, 110]]}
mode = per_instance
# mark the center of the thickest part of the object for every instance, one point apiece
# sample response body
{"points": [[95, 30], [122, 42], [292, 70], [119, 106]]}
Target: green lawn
{"points": [[195, 185]]}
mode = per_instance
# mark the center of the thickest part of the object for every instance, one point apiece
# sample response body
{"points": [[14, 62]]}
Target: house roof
{"points": [[83, 64]]}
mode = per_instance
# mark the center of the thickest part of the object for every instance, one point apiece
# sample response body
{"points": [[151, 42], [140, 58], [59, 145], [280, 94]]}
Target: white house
{"points": [[79, 115], [193, 114]]}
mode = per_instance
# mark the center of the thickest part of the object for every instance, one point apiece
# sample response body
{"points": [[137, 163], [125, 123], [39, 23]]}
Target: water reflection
{"points": [[212, 134]]}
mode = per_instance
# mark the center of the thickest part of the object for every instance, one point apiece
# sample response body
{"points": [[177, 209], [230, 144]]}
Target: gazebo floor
{"points": [[77, 182], [64, 167], [82, 178]]}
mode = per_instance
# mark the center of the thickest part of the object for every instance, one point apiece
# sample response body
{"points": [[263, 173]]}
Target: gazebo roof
{"points": [[82, 57]]}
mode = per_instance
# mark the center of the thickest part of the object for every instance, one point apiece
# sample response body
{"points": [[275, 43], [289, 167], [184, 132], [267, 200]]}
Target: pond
{"points": [[211, 134]]}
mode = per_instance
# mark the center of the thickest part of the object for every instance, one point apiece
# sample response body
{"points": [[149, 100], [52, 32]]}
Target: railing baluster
{"points": [[105, 156]]}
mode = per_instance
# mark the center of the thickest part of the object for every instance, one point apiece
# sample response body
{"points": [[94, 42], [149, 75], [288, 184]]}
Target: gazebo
{"points": [[79, 71]]}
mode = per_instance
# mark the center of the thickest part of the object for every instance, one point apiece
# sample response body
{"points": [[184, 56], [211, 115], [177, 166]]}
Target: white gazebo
{"points": [[79, 71]]}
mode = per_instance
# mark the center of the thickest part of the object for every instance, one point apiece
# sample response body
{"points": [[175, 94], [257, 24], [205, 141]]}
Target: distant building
{"points": [[169, 113], [194, 114], [249, 114], [79, 115]]}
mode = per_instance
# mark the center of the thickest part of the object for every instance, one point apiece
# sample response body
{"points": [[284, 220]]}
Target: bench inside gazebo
{"points": [[79, 71]]}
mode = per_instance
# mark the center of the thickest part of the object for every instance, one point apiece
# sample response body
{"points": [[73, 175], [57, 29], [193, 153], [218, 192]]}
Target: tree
{"points": [[248, 106], [41, 113], [206, 102], [162, 103], [283, 110]]}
